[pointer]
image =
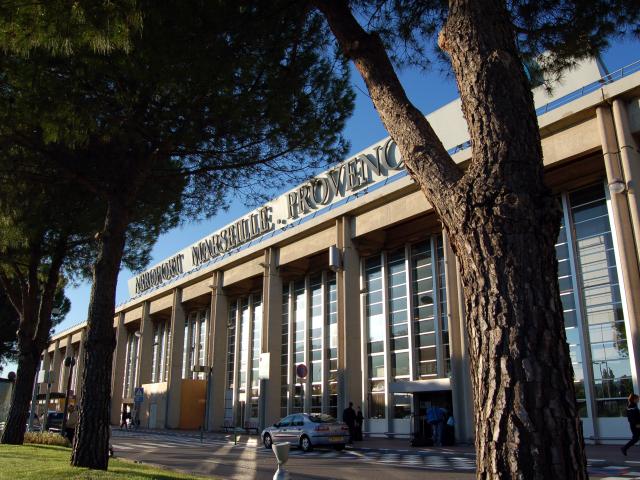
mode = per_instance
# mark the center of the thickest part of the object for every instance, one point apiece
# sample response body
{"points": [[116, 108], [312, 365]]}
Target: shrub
{"points": [[46, 438]]}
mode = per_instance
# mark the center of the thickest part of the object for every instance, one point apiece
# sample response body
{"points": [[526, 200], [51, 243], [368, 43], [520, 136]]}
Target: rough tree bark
{"points": [[502, 223], [91, 439], [33, 301]]}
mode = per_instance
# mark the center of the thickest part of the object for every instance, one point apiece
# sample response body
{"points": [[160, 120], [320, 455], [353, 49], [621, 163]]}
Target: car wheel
{"points": [[268, 442], [339, 447], [305, 444]]}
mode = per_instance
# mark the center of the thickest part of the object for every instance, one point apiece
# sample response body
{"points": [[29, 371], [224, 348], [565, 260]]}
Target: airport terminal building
{"points": [[349, 275]]}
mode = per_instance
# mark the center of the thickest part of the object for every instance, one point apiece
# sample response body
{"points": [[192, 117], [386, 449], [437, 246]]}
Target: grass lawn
{"points": [[52, 463]]}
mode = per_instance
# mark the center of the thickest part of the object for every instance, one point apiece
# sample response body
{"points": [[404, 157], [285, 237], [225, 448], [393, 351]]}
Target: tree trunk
{"points": [[527, 423], [91, 439], [34, 308], [502, 223], [21, 398]]}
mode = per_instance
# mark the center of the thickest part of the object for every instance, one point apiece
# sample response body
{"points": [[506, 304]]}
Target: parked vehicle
{"points": [[54, 421], [306, 431]]}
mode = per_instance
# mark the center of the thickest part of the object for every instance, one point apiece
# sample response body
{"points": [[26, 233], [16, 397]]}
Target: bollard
{"points": [[281, 451]]}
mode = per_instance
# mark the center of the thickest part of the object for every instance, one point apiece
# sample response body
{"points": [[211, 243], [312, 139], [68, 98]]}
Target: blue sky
{"points": [[428, 91]]}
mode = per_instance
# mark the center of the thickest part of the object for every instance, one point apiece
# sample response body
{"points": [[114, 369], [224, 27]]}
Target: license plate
{"points": [[335, 439]]}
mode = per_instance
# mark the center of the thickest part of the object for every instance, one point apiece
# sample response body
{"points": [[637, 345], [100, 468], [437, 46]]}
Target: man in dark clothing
{"points": [[633, 415], [349, 417], [359, 422]]}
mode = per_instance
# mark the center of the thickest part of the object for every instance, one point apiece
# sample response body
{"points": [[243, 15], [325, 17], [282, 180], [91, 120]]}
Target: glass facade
{"points": [[594, 318], [161, 333], [195, 344], [310, 319], [331, 342], [131, 365], [405, 329], [284, 356], [406, 323], [244, 341], [231, 355]]}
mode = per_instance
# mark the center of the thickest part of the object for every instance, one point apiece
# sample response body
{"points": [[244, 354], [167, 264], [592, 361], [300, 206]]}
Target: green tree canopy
{"points": [[211, 97]]}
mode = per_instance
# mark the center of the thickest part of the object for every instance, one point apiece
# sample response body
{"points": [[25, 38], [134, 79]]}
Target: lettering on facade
{"points": [[239, 233], [345, 178], [350, 176], [165, 271]]}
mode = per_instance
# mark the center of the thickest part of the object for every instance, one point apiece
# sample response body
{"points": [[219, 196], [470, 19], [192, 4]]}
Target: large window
{"points": [[195, 344], [159, 352], [284, 356], [231, 355], [406, 322], [299, 314], [315, 343], [310, 313], [244, 345], [398, 315], [332, 343], [604, 322], [374, 314], [256, 348], [568, 294], [131, 365]]}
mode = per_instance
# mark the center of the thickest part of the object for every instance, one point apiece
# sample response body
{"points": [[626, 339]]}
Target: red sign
{"points": [[302, 370]]}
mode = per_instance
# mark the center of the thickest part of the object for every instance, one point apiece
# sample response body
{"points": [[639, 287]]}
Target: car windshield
{"points": [[322, 418]]}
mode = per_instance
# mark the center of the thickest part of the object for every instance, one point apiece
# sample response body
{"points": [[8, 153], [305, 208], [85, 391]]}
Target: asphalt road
{"points": [[251, 462], [221, 458]]}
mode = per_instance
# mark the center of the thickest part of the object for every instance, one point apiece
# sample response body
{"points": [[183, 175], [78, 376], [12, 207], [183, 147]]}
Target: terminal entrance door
{"points": [[422, 401]]}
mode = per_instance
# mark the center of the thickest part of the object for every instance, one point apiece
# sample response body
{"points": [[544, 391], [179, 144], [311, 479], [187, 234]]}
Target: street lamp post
{"points": [[69, 362]]}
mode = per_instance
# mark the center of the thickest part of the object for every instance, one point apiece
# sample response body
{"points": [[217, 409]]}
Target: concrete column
{"points": [[174, 385], [46, 366], [145, 350], [145, 359], [80, 365], [630, 159], [625, 247], [56, 367], [348, 284], [64, 371], [218, 351], [458, 345], [271, 338], [117, 379]]}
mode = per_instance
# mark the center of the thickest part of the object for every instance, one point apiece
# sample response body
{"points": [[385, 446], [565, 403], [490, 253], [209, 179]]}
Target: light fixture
{"points": [[617, 186]]}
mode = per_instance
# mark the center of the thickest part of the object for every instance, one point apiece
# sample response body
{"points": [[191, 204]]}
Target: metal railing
{"points": [[570, 97]]}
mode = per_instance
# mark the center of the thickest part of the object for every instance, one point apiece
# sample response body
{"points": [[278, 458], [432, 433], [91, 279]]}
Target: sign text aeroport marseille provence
{"points": [[369, 167]]}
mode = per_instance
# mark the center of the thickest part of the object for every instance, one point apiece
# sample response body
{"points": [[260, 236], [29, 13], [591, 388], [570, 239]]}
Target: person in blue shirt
{"points": [[436, 417]]}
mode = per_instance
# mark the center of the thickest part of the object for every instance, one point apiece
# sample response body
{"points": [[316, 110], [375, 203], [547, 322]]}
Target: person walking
{"points": [[349, 417], [633, 416], [359, 422], [125, 416]]}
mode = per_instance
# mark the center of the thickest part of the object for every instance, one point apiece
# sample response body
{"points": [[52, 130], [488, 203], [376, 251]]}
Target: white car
{"points": [[306, 431]]}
